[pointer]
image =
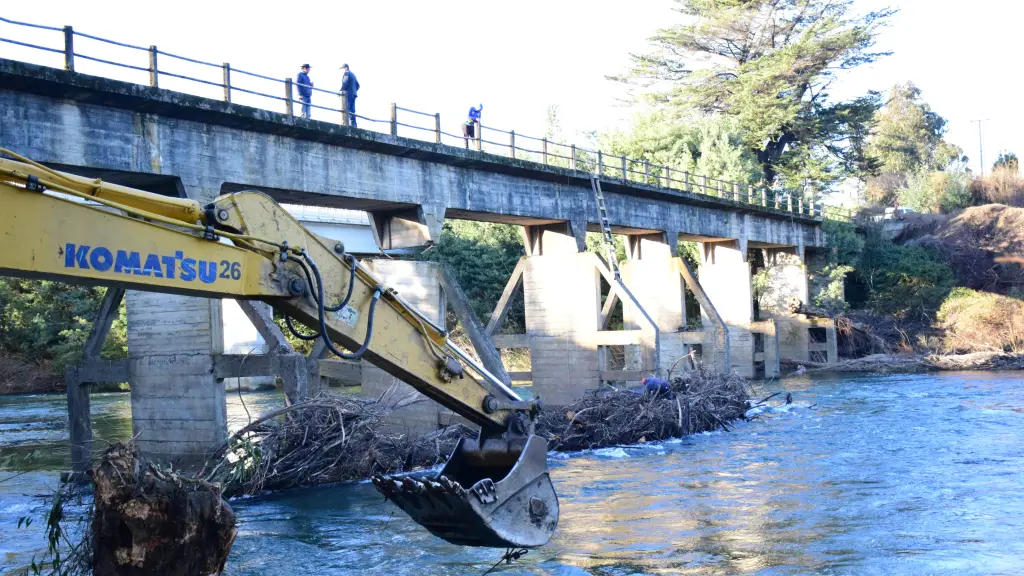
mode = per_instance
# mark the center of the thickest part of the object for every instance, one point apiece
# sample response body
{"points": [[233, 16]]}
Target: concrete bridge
{"points": [[182, 145]]}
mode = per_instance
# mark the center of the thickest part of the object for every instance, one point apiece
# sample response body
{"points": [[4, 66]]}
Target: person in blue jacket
{"points": [[305, 89], [469, 128], [350, 89]]}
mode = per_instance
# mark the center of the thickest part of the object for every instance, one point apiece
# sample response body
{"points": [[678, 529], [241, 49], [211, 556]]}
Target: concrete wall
{"points": [[178, 409], [787, 281], [417, 283]]}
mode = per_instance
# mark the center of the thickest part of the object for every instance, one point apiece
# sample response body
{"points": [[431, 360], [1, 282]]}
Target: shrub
{"points": [[936, 191], [906, 282], [1003, 186], [981, 321]]}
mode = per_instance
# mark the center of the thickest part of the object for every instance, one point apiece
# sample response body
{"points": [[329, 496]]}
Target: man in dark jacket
{"points": [[305, 90], [349, 89]]}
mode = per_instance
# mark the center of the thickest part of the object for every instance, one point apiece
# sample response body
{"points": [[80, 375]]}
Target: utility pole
{"points": [[981, 153]]}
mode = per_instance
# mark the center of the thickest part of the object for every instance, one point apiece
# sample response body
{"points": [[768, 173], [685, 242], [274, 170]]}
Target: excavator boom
{"points": [[494, 491]]}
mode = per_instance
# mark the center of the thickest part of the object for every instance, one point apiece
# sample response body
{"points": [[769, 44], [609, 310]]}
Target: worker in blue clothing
{"points": [[305, 89], [349, 89], [472, 123]]}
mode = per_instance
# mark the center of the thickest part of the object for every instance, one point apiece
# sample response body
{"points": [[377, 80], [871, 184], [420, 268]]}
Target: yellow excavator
{"points": [[493, 490]]}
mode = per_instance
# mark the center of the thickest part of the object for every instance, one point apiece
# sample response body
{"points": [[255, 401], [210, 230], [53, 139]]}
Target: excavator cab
{"points": [[492, 492]]}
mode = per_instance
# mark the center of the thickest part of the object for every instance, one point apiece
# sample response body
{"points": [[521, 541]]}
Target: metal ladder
{"points": [[606, 228]]}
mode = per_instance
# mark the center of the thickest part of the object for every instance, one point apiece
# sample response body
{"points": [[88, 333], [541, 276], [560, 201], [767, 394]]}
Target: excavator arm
{"points": [[494, 491]]}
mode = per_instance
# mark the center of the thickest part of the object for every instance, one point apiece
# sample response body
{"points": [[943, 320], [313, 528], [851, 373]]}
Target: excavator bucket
{"points": [[496, 493]]}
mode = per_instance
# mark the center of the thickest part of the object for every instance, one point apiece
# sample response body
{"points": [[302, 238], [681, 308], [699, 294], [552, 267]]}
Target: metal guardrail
{"points": [[544, 151]]}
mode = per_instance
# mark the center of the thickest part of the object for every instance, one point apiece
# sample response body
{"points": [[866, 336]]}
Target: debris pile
{"points": [[325, 440], [699, 401]]}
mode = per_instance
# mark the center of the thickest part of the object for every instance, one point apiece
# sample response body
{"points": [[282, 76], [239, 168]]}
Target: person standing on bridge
{"points": [[472, 124], [349, 89], [305, 90]]}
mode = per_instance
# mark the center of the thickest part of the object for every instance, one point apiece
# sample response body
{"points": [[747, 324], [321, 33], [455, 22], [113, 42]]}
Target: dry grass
{"points": [[982, 322], [1002, 186]]}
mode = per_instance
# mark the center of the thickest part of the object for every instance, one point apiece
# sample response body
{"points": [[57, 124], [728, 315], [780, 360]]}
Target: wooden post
{"points": [[69, 49], [810, 204], [600, 163], [289, 100], [686, 181], [344, 108], [789, 202], [735, 192], [750, 193], [512, 144], [704, 184], [764, 198], [572, 156], [437, 128], [800, 205], [79, 421], [479, 131], [777, 206], [720, 195], [668, 177], [227, 83], [625, 169], [394, 117], [647, 171], [544, 150], [154, 72]]}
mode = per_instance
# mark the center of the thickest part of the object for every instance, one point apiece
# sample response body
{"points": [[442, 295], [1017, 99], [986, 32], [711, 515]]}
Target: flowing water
{"points": [[885, 474]]}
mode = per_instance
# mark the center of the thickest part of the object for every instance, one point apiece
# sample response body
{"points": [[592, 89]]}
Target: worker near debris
{"points": [[472, 122], [305, 89], [656, 386], [349, 89]]}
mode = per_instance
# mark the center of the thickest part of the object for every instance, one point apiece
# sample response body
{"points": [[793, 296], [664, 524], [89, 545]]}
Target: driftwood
{"points": [[699, 401], [150, 521], [917, 363]]}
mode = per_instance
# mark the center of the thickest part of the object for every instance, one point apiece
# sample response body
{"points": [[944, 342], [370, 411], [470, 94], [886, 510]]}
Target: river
{"points": [[885, 474]]}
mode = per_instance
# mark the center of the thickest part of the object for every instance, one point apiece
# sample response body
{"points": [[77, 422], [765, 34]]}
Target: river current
{"points": [[869, 474]]}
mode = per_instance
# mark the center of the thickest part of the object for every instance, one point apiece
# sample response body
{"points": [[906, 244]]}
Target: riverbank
{"points": [[914, 363]]}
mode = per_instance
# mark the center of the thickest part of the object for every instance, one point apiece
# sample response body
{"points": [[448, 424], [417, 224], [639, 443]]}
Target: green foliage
{"points": [[710, 147], [1008, 161], [937, 191], [845, 244], [767, 64], [906, 282], [831, 297], [908, 136], [481, 256], [42, 320]]}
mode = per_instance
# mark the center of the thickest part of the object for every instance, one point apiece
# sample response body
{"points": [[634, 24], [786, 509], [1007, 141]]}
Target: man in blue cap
{"points": [[472, 123], [305, 90], [349, 89]]}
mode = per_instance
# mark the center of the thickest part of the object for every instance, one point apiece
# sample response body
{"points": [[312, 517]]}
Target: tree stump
{"points": [[150, 521]]}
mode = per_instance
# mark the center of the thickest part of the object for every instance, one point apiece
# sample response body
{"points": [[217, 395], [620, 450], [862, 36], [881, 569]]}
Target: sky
{"points": [[518, 58]]}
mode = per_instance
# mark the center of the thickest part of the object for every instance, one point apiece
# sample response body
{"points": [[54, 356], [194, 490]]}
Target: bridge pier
{"points": [[725, 275], [800, 337], [178, 409]]}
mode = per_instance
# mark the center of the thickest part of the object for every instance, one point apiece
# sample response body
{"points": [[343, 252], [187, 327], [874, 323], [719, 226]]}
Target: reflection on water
{"points": [[889, 474]]}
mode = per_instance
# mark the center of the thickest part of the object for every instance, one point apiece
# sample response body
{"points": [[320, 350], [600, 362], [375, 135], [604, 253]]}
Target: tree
{"points": [[908, 135], [1007, 161], [710, 147], [769, 64]]}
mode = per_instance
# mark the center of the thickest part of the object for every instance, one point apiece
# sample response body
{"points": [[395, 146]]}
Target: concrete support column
{"points": [[562, 291], [653, 277], [419, 285], [178, 409], [787, 281], [725, 275]]}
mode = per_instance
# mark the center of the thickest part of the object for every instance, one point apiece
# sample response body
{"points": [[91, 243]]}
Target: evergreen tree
{"points": [[768, 64]]}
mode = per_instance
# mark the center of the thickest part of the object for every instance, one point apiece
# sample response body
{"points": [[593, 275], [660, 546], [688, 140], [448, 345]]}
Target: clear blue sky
{"points": [[519, 58]]}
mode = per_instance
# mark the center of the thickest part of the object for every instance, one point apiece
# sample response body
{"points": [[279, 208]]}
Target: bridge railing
{"points": [[224, 82]]}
